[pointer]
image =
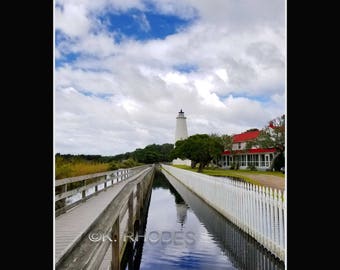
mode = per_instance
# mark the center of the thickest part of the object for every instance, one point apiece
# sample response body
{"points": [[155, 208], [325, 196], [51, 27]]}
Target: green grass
{"points": [[279, 174], [241, 174]]}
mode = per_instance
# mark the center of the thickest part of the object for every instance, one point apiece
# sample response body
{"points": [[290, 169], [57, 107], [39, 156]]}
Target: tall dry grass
{"points": [[66, 168]]}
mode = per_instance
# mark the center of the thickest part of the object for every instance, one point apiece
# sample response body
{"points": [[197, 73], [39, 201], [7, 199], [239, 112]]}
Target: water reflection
{"points": [[178, 214], [169, 213]]}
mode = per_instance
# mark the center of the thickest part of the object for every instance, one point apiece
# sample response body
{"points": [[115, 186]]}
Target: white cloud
{"points": [[222, 74], [72, 19], [230, 13], [116, 97], [175, 78]]}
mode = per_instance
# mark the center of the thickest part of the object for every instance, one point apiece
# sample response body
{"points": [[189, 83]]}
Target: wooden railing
{"points": [[120, 219], [67, 187]]}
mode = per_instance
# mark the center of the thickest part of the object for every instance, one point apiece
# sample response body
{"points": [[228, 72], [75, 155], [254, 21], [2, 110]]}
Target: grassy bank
{"points": [[240, 174], [74, 167]]}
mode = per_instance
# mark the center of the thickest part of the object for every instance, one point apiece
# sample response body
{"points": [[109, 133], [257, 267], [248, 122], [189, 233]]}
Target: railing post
{"points": [[284, 217], [260, 210], [281, 225], [247, 207], [266, 190], [139, 203], [83, 193], [115, 262], [272, 224], [252, 211], [276, 223], [105, 183], [142, 191], [130, 205], [62, 203]]}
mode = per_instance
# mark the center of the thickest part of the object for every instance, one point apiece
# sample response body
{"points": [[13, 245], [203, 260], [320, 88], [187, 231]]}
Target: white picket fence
{"points": [[259, 211]]}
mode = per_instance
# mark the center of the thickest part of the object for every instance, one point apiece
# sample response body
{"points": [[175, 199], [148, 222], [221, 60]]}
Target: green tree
{"points": [[219, 141], [165, 150], [199, 148], [227, 142], [153, 153], [272, 136]]}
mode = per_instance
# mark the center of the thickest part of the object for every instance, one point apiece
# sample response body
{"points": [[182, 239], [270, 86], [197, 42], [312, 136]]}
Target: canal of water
{"points": [[183, 232]]}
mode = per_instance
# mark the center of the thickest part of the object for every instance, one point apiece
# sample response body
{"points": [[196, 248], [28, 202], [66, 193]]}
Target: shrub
{"points": [[235, 165], [251, 168], [113, 166], [127, 163]]}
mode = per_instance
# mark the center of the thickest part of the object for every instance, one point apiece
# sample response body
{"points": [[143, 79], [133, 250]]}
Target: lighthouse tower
{"points": [[181, 134], [181, 127]]}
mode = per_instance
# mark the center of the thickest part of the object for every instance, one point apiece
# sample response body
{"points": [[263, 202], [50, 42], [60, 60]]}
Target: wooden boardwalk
{"points": [[106, 263], [75, 223]]}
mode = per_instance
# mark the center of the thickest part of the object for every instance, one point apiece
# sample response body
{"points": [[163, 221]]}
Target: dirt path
{"points": [[267, 180]]}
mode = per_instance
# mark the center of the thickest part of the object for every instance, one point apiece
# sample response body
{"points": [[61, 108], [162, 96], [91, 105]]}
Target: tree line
{"points": [[152, 153], [201, 149]]}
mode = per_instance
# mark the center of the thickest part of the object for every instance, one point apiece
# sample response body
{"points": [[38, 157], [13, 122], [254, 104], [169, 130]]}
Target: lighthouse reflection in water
{"points": [[183, 232]]}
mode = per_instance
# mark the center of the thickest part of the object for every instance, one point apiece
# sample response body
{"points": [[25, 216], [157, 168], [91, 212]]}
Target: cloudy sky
{"points": [[124, 68]]}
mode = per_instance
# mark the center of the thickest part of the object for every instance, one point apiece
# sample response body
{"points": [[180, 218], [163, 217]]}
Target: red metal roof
{"points": [[251, 151], [246, 136]]}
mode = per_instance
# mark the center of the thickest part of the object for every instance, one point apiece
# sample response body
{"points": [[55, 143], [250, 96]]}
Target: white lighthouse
{"points": [[181, 127], [181, 134]]}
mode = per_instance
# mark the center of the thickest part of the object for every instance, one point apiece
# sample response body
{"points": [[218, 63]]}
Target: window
{"points": [[267, 160], [262, 164], [229, 161], [256, 159], [239, 145], [250, 160], [243, 160]]}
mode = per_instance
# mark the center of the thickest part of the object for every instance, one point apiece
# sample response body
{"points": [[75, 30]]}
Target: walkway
{"points": [[75, 223], [267, 180]]}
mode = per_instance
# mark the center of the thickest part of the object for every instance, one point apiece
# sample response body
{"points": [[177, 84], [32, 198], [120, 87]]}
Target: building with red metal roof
{"points": [[256, 156]]}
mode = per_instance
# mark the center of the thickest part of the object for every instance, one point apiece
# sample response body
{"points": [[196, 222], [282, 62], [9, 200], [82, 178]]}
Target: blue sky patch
{"points": [[59, 37], [262, 99], [186, 68], [67, 59], [143, 25], [259, 98], [98, 95]]}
